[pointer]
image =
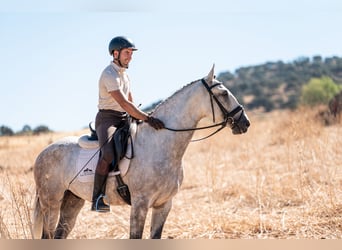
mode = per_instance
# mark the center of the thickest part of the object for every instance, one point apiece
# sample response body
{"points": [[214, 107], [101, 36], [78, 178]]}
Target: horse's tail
{"points": [[37, 219]]}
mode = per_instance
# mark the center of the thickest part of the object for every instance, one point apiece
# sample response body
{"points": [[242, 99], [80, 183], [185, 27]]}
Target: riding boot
{"points": [[99, 190]]}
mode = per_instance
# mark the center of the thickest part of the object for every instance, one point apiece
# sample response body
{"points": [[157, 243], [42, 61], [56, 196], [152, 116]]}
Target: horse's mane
{"points": [[172, 96]]}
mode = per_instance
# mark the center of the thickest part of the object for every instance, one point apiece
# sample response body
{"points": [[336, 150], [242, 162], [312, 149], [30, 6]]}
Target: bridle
{"points": [[228, 117]]}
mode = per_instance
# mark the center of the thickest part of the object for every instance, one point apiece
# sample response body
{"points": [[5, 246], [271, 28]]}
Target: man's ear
{"points": [[116, 54]]}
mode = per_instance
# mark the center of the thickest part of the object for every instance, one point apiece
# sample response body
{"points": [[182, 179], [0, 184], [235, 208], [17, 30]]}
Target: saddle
{"points": [[120, 140], [122, 137]]}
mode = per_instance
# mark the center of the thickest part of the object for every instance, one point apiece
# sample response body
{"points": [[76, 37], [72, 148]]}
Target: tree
{"points": [[41, 129], [4, 130], [27, 130], [319, 91]]}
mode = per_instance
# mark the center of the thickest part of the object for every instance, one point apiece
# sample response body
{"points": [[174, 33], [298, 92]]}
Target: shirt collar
{"points": [[118, 68]]}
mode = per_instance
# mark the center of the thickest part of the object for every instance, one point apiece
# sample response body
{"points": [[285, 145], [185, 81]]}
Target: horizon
{"points": [[153, 102]]}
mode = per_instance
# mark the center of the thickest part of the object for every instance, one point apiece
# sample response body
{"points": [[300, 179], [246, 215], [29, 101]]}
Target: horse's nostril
{"points": [[248, 124]]}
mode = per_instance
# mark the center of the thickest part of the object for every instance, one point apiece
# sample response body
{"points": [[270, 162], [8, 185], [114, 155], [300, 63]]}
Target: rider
{"points": [[115, 103]]}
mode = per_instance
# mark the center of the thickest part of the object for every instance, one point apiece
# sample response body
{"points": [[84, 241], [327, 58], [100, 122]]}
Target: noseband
{"points": [[228, 117]]}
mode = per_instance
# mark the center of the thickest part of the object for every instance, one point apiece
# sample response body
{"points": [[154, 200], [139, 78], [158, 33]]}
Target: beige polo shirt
{"points": [[112, 78]]}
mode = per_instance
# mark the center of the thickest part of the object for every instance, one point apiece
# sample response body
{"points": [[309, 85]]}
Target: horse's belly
{"points": [[84, 190]]}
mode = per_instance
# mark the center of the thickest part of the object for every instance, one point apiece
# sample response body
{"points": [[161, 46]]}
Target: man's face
{"points": [[125, 57]]}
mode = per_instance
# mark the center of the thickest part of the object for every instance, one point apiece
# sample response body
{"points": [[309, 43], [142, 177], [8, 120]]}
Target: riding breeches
{"points": [[107, 121]]}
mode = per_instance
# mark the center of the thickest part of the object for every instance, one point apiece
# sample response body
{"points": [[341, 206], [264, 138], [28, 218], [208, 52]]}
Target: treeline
{"points": [[278, 85], [26, 130], [268, 86]]}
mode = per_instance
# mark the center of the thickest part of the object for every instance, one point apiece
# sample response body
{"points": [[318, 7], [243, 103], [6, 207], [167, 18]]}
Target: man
{"points": [[115, 103]]}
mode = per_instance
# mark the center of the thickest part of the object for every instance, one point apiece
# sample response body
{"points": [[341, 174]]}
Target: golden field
{"points": [[283, 179]]}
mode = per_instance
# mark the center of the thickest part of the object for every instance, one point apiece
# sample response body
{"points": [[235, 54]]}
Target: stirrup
{"points": [[105, 207]]}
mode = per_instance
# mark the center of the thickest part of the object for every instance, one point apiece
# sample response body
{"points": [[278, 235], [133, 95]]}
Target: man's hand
{"points": [[155, 122]]}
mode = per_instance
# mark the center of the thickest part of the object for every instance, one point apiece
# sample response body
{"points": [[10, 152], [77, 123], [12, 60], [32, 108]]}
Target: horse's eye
{"points": [[224, 93]]}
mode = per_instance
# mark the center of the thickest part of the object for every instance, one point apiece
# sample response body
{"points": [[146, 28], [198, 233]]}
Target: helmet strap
{"points": [[118, 60]]}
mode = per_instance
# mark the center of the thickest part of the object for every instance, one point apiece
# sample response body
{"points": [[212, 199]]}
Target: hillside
{"points": [[277, 85]]}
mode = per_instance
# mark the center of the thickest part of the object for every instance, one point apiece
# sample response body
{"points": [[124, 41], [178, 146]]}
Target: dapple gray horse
{"points": [[155, 173]]}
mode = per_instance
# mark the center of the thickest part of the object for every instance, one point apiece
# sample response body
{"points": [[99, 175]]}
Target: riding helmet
{"points": [[119, 43]]}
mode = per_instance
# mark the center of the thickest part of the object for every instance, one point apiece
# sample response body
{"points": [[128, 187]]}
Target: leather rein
{"points": [[228, 116]]}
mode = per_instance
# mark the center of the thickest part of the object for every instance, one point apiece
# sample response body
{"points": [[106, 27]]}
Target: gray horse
{"points": [[155, 173]]}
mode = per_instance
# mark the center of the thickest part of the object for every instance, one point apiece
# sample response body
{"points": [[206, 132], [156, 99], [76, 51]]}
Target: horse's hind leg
{"points": [[159, 215], [50, 216], [44, 219], [70, 208]]}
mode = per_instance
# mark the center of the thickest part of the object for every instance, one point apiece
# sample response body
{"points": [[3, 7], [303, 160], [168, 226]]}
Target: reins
{"points": [[228, 116]]}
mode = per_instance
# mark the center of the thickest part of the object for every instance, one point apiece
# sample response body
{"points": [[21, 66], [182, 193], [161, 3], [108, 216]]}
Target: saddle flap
{"points": [[120, 140]]}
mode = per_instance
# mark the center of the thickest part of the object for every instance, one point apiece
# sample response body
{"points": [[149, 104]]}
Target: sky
{"points": [[53, 52]]}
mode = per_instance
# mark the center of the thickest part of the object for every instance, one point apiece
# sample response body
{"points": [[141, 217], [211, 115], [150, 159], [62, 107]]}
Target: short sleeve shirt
{"points": [[112, 78]]}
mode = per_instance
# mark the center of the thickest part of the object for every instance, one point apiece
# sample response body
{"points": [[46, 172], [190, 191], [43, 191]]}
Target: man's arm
{"points": [[130, 108], [128, 105]]}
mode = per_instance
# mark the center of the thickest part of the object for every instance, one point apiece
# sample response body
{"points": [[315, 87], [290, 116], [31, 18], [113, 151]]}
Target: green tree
{"points": [[41, 129], [4, 130], [319, 91]]}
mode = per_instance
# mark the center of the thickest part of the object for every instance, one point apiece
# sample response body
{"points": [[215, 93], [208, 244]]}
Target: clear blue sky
{"points": [[52, 54]]}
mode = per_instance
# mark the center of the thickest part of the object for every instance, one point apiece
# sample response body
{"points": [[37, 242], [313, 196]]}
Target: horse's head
{"points": [[223, 102]]}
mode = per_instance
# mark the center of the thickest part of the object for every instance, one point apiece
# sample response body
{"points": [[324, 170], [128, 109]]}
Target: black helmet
{"points": [[119, 43]]}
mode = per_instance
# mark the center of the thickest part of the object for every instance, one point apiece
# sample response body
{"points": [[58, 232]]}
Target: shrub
{"points": [[318, 91]]}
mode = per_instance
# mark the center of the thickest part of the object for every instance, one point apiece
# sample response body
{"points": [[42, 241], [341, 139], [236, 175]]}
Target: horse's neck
{"points": [[183, 110]]}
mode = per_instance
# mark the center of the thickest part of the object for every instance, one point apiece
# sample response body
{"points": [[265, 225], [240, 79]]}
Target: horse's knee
{"points": [[159, 216], [137, 219]]}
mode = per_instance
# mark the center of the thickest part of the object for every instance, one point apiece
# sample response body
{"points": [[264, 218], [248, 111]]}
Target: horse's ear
{"points": [[210, 77]]}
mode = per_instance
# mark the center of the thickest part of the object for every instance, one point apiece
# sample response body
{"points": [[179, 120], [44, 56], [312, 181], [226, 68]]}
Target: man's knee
{"points": [[102, 167], [107, 153]]}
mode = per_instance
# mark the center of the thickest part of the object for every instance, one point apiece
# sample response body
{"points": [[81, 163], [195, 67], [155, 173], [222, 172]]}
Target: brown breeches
{"points": [[106, 123]]}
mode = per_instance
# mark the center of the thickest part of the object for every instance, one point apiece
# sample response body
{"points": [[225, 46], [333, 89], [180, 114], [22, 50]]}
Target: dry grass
{"points": [[283, 179]]}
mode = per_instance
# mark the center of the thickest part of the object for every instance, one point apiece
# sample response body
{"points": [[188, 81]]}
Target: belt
{"points": [[114, 112]]}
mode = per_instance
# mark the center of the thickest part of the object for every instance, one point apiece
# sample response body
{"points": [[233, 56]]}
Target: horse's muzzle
{"points": [[241, 126]]}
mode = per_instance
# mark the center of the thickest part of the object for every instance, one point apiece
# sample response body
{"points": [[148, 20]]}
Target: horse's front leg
{"points": [[137, 219], [159, 215]]}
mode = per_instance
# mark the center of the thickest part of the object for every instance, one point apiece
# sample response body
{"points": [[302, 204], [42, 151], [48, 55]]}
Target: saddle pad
{"points": [[87, 161], [88, 158], [86, 164]]}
